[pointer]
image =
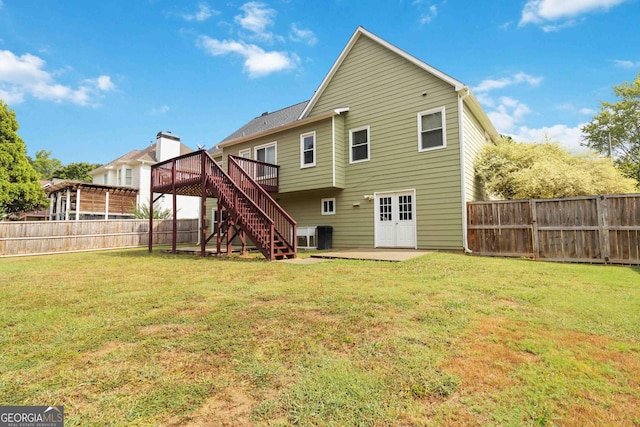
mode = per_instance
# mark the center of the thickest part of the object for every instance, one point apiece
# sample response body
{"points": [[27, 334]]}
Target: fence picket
{"points": [[599, 229], [40, 237]]}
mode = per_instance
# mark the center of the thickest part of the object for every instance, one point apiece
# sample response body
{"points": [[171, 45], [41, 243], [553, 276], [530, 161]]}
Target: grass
{"points": [[127, 338]]}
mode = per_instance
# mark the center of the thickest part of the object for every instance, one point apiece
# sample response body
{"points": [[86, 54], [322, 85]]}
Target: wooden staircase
{"points": [[250, 210]]}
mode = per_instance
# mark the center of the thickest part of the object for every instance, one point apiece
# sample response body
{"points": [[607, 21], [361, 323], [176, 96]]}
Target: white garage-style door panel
{"points": [[395, 219]]}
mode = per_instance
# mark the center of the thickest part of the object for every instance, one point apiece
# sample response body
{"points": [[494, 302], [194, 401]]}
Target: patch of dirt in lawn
{"points": [[108, 348], [231, 410], [490, 355], [168, 330]]}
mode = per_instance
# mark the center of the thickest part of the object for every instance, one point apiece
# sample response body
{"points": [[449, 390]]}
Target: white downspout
{"points": [[463, 186]]}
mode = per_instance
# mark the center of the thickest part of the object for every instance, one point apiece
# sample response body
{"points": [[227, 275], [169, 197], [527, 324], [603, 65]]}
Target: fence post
{"points": [[534, 229], [603, 227]]}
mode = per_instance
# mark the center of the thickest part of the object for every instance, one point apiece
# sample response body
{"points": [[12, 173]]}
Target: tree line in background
{"points": [[508, 169], [511, 170], [49, 168]]}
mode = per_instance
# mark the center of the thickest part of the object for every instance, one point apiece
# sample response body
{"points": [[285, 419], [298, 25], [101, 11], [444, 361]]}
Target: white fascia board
{"points": [[352, 41], [474, 105]]}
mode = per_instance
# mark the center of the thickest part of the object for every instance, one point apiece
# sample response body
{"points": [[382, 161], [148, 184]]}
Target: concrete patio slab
{"points": [[393, 255]]}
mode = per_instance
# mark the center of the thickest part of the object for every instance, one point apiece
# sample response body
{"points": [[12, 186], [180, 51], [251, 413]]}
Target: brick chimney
{"points": [[167, 146]]}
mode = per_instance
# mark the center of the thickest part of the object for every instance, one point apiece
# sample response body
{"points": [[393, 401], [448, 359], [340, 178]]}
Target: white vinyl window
{"points": [[307, 150], [432, 129], [245, 154], [266, 153], [127, 176], [359, 144], [328, 206]]}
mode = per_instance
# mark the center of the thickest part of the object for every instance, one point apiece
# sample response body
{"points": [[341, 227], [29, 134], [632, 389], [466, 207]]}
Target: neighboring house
{"points": [[383, 152], [134, 170], [78, 200]]}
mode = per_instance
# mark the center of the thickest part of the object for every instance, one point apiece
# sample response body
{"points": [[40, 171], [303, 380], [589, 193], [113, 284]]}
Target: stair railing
{"points": [[284, 225], [241, 204]]}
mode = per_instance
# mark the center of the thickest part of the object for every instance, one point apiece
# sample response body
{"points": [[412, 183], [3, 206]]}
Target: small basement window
{"points": [[329, 206]]}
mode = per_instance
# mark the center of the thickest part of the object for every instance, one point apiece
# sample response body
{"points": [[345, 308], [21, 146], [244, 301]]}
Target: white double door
{"points": [[395, 219]]}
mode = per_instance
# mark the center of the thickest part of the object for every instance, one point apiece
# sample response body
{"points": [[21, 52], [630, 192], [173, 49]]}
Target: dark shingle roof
{"points": [[269, 121]]}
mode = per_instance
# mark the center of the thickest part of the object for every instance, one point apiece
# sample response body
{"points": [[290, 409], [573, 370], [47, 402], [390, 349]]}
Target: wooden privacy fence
{"points": [[41, 237], [595, 229]]}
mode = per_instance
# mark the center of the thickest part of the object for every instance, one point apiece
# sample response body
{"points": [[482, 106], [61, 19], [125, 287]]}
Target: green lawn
{"points": [[128, 338]]}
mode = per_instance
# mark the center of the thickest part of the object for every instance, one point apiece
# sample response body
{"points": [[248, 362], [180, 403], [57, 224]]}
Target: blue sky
{"points": [[92, 80]]}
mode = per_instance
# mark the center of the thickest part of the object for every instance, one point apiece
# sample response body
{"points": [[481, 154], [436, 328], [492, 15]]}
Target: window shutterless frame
{"points": [[359, 144], [308, 150], [328, 206], [432, 132]]}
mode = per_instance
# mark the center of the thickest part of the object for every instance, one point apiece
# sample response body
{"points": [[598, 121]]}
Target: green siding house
{"points": [[383, 152]]}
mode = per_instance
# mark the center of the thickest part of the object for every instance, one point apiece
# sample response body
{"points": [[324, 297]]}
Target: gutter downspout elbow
{"points": [[462, 94]]}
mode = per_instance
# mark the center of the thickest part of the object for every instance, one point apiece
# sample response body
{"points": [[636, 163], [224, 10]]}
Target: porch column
{"points": [[78, 204], [52, 200], [106, 205], [67, 206], [58, 206]]}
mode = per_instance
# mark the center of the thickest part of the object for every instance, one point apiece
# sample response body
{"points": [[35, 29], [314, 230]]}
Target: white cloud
{"points": [[426, 10], [569, 137], [588, 111], [21, 75], [257, 18], [543, 11], [257, 62], [572, 109], [626, 63], [203, 13], [301, 35], [508, 114], [505, 26], [160, 110], [491, 84], [102, 83]]}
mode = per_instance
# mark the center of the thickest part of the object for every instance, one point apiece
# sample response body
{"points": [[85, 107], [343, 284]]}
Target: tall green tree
{"points": [[616, 129], [20, 190], [45, 165], [78, 171], [511, 170]]}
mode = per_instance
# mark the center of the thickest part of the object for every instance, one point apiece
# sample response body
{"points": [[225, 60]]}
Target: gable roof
{"points": [[146, 155], [360, 31], [267, 121]]}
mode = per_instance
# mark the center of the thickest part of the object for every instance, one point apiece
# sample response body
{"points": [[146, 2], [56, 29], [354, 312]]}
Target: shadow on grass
{"points": [[136, 253]]}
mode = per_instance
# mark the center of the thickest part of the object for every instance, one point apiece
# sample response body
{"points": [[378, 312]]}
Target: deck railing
{"points": [[245, 199], [265, 174]]}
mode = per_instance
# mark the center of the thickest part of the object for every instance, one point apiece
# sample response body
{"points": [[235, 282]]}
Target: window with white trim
{"points": [[128, 176], [359, 144], [329, 206], [266, 153], [245, 154], [432, 129], [307, 150]]}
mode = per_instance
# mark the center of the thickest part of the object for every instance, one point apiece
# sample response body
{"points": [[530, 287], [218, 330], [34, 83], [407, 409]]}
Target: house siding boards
{"points": [[384, 91], [475, 139], [292, 176]]}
